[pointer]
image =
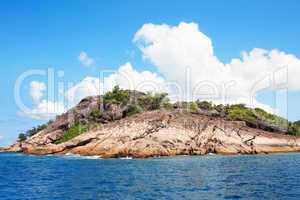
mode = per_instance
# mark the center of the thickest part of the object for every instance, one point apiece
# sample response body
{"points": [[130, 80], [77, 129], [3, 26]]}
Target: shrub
{"points": [[116, 96], [297, 123], [295, 128], [133, 109], [35, 130], [153, 102], [220, 108], [95, 114], [241, 112], [192, 107], [167, 105], [205, 105], [22, 137], [271, 119], [72, 132]]}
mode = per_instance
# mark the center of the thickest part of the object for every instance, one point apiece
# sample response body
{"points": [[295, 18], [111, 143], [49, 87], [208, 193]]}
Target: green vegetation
{"points": [[72, 132], [260, 119], [32, 132], [35, 130], [188, 106], [153, 102], [270, 118], [144, 102], [129, 105], [117, 96], [95, 114], [205, 105], [294, 128], [133, 109], [241, 112], [22, 137]]}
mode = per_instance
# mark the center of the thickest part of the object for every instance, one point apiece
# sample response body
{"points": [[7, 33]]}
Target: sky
{"points": [[88, 46]]}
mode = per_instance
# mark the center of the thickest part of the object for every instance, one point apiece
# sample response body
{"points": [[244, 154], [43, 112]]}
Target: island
{"points": [[127, 123]]}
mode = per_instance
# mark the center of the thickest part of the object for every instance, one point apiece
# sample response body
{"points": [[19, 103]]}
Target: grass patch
{"points": [[72, 132]]}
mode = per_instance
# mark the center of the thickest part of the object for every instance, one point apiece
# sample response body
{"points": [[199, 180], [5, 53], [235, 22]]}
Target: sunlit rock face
{"points": [[152, 133]]}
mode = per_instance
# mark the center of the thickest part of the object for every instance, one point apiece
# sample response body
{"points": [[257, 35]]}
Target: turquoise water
{"points": [[202, 177]]}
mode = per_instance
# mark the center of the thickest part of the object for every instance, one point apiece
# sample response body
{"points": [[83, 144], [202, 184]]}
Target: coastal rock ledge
{"points": [[160, 133]]}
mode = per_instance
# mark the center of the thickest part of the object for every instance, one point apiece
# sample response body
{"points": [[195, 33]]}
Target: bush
{"points": [[95, 114], [35, 130], [294, 128], [205, 105], [220, 108], [72, 132], [116, 96], [22, 137], [153, 102], [133, 109], [271, 119], [167, 105], [192, 107], [241, 112]]}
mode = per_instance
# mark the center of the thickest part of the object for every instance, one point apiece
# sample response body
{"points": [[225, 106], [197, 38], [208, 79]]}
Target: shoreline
{"points": [[151, 157]]}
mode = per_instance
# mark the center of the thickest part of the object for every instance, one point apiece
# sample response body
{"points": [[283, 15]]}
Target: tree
{"points": [[205, 105], [22, 137], [116, 96]]}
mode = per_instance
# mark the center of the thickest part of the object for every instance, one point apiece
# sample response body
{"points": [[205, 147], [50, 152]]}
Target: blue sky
{"points": [[42, 34]]}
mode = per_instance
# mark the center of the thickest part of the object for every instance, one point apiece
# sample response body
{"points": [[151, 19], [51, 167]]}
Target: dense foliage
{"points": [[204, 105], [117, 96], [257, 118]]}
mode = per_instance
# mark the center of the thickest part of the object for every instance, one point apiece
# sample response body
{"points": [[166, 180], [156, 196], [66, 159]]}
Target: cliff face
{"points": [[152, 133]]}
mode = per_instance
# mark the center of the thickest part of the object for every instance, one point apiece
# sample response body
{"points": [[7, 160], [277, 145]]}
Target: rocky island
{"points": [[130, 123]]}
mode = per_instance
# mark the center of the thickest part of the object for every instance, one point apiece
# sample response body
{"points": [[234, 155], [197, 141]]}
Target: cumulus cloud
{"points": [[45, 110], [126, 77], [183, 52], [89, 86], [42, 108], [85, 59], [189, 70], [36, 90]]}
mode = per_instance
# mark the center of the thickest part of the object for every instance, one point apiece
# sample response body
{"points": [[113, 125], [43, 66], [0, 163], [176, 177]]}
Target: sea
{"points": [[74, 177]]}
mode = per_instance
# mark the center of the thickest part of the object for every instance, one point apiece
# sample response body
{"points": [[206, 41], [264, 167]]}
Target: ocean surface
{"points": [[198, 177]]}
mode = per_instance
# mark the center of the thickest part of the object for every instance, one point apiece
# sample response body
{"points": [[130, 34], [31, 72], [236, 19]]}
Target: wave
{"points": [[125, 158], [77, 156]]}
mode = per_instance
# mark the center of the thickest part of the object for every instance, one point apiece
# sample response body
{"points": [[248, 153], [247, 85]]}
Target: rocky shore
{"points": [[152, 133], [163, 134]]}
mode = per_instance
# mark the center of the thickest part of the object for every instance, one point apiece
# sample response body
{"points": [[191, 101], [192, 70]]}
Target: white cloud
{"points": [[36, 90], [174, 49], [126, 77], [185, 56], [89, 86], [42, 108], [45, 110], [85, 59]]}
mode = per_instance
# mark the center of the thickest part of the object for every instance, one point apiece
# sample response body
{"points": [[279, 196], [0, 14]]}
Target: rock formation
{"points": [[152, 133]]}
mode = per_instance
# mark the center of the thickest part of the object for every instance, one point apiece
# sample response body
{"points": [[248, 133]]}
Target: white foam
{"points": [[77, 156], [126, 158]]}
